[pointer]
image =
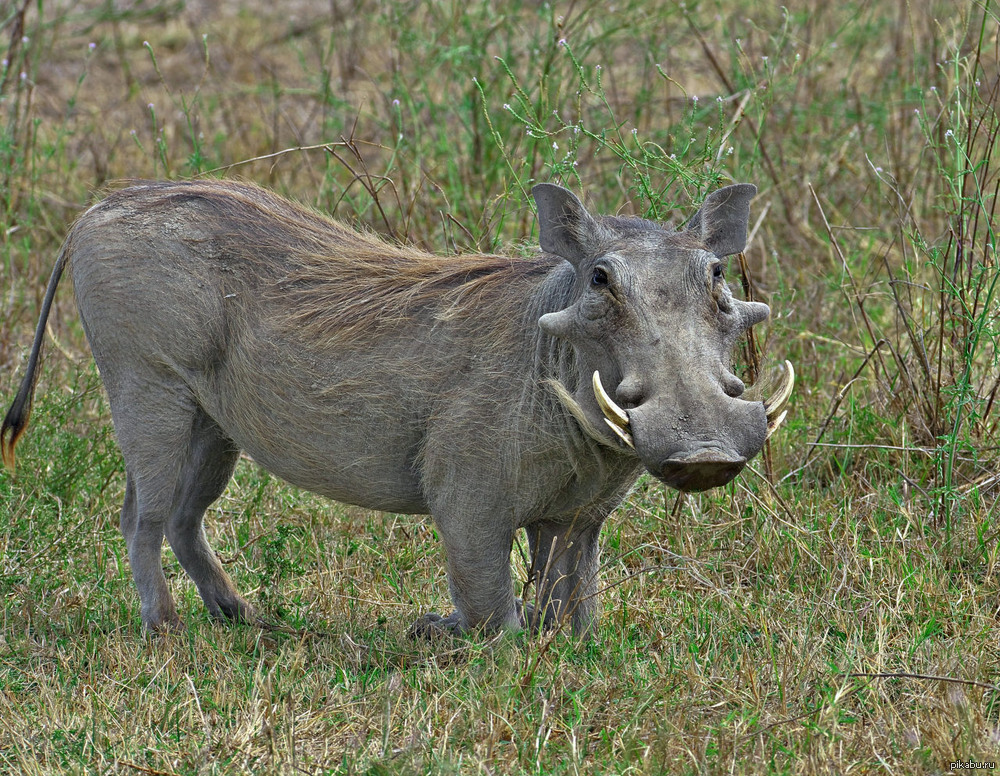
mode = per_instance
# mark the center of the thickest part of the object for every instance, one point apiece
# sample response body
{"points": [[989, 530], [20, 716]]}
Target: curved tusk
{"points": [[616, 418], [774, 404], [611, 411]]}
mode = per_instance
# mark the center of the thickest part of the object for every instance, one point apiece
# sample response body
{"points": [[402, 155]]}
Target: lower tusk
{"points": [[616, 418], [776, 402], [772, 425], [621, 433]]}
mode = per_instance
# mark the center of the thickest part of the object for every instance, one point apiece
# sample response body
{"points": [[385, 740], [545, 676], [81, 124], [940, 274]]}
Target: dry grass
{"points": [[834, 611]]}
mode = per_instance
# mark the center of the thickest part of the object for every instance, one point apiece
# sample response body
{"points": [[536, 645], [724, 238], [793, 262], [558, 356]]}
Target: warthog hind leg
{"points": [[177, 462], [205, 472], [144, 540]]}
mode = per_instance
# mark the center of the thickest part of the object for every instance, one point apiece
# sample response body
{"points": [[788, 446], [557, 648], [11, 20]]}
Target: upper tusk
{"points": [[611, 411], [774, 404], [616, 418]]}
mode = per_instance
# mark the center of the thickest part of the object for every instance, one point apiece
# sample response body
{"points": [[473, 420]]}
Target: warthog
{"points": [[473, 388]]}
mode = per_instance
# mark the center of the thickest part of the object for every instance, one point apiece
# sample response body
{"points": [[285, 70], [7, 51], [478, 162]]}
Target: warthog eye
{"points": [[718, 271], [600, 277]]}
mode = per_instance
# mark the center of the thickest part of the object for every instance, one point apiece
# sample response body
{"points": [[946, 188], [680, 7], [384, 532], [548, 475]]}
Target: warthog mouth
{"points": [[711, 466], [705, 469]]}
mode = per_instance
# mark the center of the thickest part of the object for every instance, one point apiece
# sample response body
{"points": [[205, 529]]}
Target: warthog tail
{"points": [[17, 417]]}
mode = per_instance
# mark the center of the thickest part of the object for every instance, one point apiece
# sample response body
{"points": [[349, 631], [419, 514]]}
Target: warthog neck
{"points": [[558, 374]]}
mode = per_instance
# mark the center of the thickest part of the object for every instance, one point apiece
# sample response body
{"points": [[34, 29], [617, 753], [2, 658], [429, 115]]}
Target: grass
{"points": [[832, 611]]}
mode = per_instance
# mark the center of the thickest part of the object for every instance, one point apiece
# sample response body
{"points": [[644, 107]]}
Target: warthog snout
{"points": [[698, 464]]}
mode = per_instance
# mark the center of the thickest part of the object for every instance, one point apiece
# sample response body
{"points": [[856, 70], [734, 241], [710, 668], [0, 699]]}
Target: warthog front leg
{"points": [[478, 560], [564, 564]]}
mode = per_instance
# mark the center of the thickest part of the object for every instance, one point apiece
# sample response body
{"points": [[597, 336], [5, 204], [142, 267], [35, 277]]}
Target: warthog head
{"points": [[653, 324]]}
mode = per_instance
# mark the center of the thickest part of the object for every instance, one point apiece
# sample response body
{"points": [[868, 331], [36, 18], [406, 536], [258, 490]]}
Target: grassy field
{"points": [[834, 610]]}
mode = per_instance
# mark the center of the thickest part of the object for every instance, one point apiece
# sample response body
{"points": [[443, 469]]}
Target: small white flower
{"points": [[555, 146], [694, 98], [92, 46], [506, 106], [562, 42], [395, 103]]}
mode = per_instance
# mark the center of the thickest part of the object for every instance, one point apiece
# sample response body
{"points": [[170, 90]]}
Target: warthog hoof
{"points": [[535, 619], [232, 607], [166, 627], [433, 626]]}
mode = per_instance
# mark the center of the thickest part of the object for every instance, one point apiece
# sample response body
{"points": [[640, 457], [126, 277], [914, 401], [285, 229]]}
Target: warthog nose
{"points": [[629, 392], [708, 468]]}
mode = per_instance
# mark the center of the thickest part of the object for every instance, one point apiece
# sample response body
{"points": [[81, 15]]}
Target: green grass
{"points": [[832, 611]]}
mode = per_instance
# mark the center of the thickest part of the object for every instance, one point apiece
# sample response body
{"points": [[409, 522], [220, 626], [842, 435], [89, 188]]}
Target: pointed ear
{"points": [[565, 228], [722, 221]]}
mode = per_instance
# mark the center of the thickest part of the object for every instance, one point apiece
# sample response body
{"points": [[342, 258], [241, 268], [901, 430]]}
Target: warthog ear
{"points": [[565, 228], [723, 219]]}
